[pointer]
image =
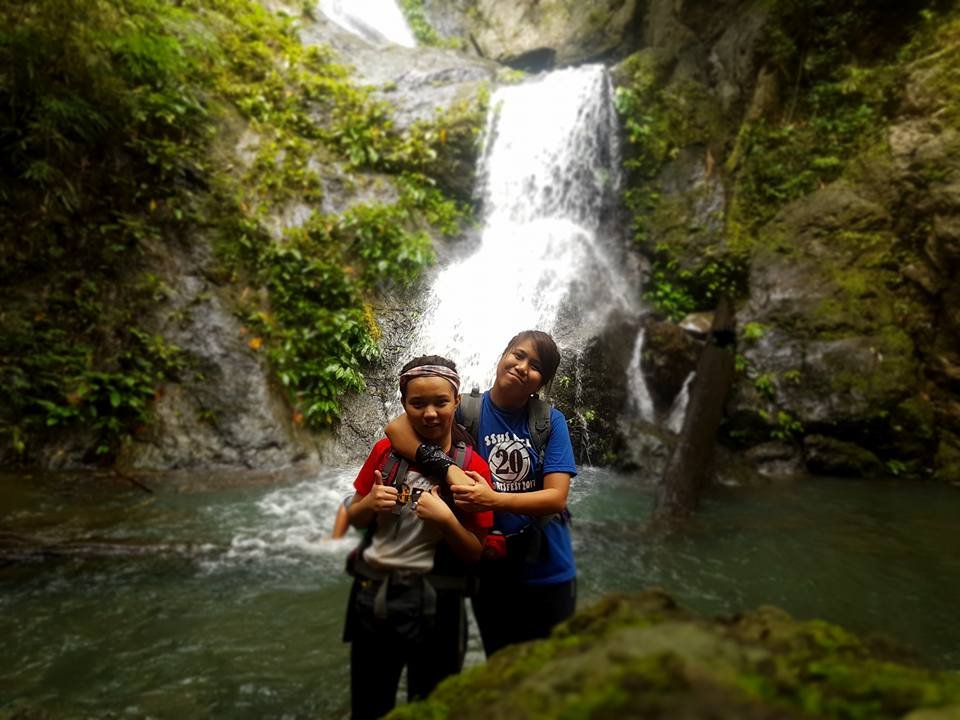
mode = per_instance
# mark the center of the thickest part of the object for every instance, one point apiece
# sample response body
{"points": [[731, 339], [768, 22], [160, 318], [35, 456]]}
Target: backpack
{"points": [[538, 419], [526, 543], [418, 601], [394, 471]]}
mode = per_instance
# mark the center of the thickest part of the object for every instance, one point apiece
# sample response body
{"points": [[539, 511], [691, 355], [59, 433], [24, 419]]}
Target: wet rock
{"points": [[947, 459], [540, 34], [776, 459], [225, 410], [415, 81], [646, 449], [669, 356], [829, 456], [697, 324], [589, 390]]}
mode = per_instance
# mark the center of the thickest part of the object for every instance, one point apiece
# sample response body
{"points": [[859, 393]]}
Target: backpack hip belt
{"points": [[429, 582]]}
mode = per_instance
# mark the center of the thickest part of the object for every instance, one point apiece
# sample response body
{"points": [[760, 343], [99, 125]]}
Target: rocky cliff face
{"points": [[846, 276]]}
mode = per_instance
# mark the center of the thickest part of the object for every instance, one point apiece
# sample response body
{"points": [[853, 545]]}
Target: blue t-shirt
{"points": [[503, 440]]}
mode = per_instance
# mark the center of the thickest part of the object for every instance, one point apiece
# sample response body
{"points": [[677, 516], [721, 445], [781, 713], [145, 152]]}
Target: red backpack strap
{"points": [[461, 454]]}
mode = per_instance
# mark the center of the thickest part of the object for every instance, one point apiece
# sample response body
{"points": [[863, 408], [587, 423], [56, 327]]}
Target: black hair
{"points": [[546, 349], [420, 362]]}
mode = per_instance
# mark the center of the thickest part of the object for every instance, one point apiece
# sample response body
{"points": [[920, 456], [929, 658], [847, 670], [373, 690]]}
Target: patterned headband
{"points": [[430, 371]]}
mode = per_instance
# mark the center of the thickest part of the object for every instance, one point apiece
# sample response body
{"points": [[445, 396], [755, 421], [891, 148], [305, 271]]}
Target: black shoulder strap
{"points": [[470, 414], [394, 469], [538, 423]]}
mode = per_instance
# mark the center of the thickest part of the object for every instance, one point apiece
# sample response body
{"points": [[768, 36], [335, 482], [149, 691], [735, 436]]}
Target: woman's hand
{"points": [[476, 497], [430, 506]]}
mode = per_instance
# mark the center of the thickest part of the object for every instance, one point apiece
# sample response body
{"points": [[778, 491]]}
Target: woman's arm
{"points": [[405, 443], [465, 544], [402, 437], [551, 499]]}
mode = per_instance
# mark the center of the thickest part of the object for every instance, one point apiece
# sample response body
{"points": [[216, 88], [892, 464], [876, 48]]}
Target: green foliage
{"points": [[660, 118], [71, 376], [787, 427], [765, 385], [101, 140], [677, 291], [753, 331], [422, 30], [837, 66], [113, 144]]}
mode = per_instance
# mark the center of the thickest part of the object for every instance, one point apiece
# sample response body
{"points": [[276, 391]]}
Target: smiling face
{"points": [[519, 375], [430, 405]]}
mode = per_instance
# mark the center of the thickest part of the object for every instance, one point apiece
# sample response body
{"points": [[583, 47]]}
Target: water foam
{"points": [[293, 524], [374, 20]]}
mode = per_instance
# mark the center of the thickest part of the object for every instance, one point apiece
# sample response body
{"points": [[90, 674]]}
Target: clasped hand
{"points": [[476, 497]]}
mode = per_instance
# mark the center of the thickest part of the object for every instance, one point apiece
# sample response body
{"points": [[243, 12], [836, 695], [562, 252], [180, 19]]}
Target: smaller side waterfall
{"points": [[640, 403], [374, 20]]}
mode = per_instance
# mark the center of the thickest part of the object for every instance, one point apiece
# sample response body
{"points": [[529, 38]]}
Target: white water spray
{"points": [[547, 175], [374, 20], [640, 402]]}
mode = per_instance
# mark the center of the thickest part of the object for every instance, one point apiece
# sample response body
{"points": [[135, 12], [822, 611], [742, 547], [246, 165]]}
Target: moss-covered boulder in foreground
{"points": [[642, 656]]}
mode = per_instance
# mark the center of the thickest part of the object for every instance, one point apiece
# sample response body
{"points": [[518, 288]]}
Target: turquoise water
{"points": [[227, 602]]}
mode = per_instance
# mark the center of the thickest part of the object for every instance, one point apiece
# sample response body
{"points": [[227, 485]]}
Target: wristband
{"points": [[433, 461]]}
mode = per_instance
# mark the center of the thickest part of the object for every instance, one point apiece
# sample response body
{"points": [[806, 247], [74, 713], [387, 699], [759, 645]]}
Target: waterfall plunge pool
{"points": [[228, 602]]}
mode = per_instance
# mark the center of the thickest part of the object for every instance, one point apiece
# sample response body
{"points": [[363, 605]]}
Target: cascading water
{"points": [[373, 20], [548, 174], [640, 403]]}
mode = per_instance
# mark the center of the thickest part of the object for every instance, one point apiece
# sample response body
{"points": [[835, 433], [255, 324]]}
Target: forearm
{"points": [[361, 512], [551, 499], [406, 444], [402, 437], [539, 502]]}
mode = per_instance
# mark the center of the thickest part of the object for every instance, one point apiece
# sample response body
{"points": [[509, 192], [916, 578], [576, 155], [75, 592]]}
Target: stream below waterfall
{"points": [[221, 601]]}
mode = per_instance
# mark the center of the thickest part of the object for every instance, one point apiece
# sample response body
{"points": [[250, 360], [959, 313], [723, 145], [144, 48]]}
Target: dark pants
{"points": [[510, 611], [431, 648]]}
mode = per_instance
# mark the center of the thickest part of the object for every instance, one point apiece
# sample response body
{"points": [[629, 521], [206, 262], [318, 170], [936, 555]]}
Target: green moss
{"points": [[947, 459], [641, 656], [662, 115], [422, 29], [841, 66]]}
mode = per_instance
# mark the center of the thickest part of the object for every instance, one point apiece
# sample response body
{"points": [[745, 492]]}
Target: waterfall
{"points": [[640, 403], [547, 175], [374, 20], [678, 409]]}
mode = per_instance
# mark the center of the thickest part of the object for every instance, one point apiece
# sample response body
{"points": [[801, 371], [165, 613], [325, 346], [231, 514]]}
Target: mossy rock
{"points": [[829, 456], [538, 34], [947, 460], [643, 656]]}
